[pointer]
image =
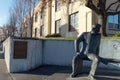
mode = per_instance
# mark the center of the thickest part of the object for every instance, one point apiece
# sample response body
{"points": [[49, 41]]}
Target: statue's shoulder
{"points": [[86, 33]]}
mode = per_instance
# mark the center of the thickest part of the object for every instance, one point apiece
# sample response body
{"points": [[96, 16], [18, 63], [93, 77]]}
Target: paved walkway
{"points": [[54, 73], [44, 73], [4, 75], [62, 73]]}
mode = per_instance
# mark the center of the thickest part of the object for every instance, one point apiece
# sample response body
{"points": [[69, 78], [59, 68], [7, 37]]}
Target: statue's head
{"points": [[96, 28]]}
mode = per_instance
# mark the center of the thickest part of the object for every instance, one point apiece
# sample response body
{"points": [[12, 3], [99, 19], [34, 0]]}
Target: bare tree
{"points": [[20, 10], [30, 14], [103, 8], [11, 26], [5, 31], [17, 13], [8, 30]]}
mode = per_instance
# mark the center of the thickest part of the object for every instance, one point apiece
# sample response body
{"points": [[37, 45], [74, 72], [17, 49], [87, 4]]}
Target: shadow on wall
{"points": [[66, 31], [63, 30]]}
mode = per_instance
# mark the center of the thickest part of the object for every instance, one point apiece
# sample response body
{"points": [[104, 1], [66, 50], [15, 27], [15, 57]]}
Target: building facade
{"points": [[69, 19]]}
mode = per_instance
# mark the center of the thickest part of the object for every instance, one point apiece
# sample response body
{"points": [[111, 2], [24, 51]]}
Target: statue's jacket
{"points": [[91, 43]]}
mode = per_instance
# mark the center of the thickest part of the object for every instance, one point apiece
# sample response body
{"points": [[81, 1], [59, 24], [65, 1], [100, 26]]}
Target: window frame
{"points": [[74, 23], [42, 30], [36, 17], [118, 24], [35, 32]]}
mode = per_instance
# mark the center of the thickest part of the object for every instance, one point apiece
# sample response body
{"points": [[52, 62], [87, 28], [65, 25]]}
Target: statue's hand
{"points": [[77, 52]]}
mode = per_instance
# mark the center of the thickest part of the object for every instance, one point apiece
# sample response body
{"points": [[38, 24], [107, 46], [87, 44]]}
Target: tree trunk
{"points": [[102, 19]]}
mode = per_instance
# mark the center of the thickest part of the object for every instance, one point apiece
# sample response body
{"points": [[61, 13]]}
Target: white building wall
{"points": [[46, 21], [37, 25], [87, 18], [84, 14]]}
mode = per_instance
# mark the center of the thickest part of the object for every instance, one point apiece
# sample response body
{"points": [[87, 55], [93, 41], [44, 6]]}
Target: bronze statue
{"points": [[91, 42]]}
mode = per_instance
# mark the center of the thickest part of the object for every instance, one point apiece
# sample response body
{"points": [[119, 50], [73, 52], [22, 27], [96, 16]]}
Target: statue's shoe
{"points": [[73, 75], [90, 77]]}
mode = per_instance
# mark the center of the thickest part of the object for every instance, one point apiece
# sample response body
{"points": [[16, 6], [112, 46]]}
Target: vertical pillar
{"points": [[49, 17]]}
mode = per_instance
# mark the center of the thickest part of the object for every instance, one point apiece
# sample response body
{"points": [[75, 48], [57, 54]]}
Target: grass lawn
{"points": [[59, 38], [74, 38]]}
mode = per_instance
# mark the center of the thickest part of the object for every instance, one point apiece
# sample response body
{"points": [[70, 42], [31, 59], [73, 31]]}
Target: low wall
{"points": [[7, 52], [34, 55], [55, 52], [110, 49], [61, 52], [58, 52]]}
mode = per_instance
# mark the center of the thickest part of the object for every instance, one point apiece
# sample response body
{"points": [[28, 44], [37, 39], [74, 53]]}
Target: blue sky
{"points": [[4, 11]]}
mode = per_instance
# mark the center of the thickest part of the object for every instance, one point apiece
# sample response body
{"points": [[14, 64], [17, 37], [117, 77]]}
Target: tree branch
{"points": [[111, 5], [89, 3], [117, 7]]}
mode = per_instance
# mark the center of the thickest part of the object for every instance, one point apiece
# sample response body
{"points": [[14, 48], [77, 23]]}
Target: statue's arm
{"points": [[79, 39], [98, 47]]}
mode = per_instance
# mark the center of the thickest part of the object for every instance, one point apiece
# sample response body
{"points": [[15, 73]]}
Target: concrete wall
{"points": [[7, 51], [58, 52], [61, 52], [34, 55], [55, 52], [110, 49]]}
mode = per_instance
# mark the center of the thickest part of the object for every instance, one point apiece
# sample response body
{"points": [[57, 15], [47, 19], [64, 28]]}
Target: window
{"points": [[57, 5], [42, 17], [73, 22], [57, 26], [113, 22], [42, 31], [35, 32], [20, 50], [36, 17]]}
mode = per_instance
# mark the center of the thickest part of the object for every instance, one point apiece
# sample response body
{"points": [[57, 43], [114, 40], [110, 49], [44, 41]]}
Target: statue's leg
{"points": [[94, 60], [77, 64]]}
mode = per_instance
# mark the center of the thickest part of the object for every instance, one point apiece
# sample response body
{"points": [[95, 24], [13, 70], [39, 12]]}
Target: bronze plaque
{"points": [[20, 50]]}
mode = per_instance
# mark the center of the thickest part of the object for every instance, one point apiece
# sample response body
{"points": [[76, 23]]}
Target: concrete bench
{"points": [[109, 60], [103, 60]]}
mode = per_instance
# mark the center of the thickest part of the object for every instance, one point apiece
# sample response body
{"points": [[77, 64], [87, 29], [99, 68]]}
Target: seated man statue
{"points": [[90, 50]]}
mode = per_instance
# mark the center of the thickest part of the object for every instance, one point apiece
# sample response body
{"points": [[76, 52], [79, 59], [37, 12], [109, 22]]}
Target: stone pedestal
{"points": [[78, 78], [79, 66]]}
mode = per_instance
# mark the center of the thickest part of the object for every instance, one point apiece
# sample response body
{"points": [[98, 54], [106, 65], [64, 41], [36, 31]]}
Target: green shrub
{"points": [[117, 34], [53, 35]]}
